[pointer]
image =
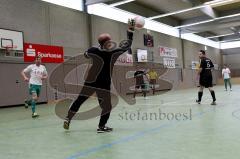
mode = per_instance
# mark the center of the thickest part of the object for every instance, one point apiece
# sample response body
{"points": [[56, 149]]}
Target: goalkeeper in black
{"points": [[99, 76]]}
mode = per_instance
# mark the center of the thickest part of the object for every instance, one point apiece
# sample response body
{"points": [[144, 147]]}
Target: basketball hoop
{"points": [[9, 48]]}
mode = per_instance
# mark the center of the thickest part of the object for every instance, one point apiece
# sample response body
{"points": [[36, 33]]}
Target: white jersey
{"points": [[36, 73], [226, 73]]}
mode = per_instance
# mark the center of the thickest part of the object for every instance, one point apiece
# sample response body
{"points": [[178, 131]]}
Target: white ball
{"points": [[139, 22]]}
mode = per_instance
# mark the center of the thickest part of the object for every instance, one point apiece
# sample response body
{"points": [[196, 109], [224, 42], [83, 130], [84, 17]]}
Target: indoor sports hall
{"points": [[119, 79]]}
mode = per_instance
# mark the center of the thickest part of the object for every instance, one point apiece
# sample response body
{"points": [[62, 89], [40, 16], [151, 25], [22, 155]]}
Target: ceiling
{"points": [[218, 20]]}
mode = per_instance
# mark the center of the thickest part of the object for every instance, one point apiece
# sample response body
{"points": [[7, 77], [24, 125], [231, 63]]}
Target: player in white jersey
{"points": [[226, 73], [37, 73]]}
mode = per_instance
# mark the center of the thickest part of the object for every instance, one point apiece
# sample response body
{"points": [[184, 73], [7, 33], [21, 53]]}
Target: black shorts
{"points": [[206, 81], [153, 81]]}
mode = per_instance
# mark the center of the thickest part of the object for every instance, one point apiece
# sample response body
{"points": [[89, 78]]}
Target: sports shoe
{"points": [[214, 103], [26, 104], [66, 124], [230, 89], [225, 89], [35, 115], [198, 101], [104, 129]]}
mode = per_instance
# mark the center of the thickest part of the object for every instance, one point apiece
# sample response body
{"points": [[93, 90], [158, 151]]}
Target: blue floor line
{"points": [[128, 138]]}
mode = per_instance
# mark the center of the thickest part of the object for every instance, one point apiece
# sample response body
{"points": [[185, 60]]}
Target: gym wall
{"points": [[231, 58], [191, 54], [45, 23]]}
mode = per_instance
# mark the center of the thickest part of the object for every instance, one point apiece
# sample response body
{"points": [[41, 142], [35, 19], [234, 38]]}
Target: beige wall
{"points": [[232, 60]]}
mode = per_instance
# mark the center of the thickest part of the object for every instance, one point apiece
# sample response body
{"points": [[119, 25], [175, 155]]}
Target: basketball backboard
{"points": [[11, 38]]}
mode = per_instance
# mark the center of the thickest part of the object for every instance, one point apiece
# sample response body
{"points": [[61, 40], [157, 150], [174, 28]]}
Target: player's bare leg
{"points": [[200, 94], [33, 105], [213, 95]]}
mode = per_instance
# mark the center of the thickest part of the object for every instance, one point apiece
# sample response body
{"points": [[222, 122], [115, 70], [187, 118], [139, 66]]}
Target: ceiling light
{"points": [[207, 21], [224, 41], [219, 2], [210, 37], [120, 3]]}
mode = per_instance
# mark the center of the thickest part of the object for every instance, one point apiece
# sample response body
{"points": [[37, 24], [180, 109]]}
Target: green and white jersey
{"points": [[36, 73]]}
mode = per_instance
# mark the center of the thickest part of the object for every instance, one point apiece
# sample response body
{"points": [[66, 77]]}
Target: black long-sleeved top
{"points": [[103, 62]]}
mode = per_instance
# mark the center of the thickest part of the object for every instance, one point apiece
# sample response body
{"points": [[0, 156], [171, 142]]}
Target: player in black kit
{"points": [[99, 76], [205, 73], [140, 83]]}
